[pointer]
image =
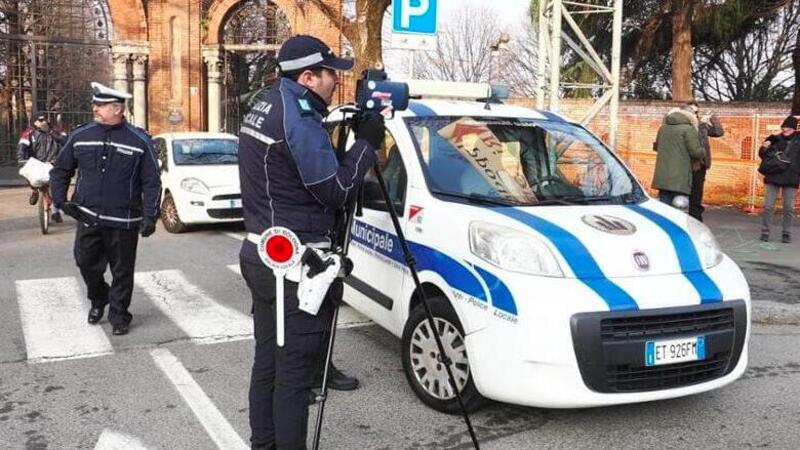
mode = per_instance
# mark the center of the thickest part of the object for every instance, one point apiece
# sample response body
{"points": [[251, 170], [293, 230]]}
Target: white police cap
{"points": [[104, 94]]}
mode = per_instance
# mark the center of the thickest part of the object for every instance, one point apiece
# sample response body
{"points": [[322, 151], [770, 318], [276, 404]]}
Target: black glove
{"points": [[147, 227], [371, 129], [70, 209]]}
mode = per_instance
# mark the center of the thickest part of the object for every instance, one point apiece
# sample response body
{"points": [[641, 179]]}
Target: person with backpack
{"points": [[780, 165]]}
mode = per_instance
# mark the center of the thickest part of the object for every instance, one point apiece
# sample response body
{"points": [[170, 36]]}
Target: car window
{"points": [[518, 161], [205, 151]]}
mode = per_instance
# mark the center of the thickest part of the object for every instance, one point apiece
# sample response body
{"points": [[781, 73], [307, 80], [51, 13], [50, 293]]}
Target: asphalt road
{"points": [[178, 384]]}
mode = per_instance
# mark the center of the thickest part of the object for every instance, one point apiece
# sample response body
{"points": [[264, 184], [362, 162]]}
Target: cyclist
{"points": [[40, 141]]}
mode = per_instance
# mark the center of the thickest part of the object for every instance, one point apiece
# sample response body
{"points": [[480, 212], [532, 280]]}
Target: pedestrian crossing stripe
{"points": [[200, 317], [53, 316]]}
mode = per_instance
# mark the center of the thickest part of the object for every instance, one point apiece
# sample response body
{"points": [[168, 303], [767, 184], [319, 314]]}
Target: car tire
{"points": [[424, 372], [169, 216]]}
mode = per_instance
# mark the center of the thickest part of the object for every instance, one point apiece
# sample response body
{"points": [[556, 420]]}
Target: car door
{"points": [[375, 286]]}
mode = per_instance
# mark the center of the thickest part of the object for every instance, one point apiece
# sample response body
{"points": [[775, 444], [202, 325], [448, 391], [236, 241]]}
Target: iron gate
{"points": [[49, 52], [251, 39]]}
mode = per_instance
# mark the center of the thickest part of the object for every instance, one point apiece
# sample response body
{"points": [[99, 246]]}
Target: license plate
{"points": [[673, 351], [237, 203]]}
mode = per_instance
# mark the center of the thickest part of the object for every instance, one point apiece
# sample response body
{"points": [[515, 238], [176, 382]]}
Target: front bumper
{"points": [[555, 355], [221, 205]]}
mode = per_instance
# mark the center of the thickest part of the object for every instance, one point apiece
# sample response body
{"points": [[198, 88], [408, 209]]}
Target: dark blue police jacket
{"points": [[289, 173], [118, 176]]}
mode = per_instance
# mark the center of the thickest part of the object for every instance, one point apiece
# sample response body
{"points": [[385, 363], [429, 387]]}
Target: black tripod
{"points": [[344, 239]]}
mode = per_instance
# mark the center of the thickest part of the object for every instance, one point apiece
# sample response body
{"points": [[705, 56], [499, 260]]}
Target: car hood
{"points": [[614, 241], [215, 176]]}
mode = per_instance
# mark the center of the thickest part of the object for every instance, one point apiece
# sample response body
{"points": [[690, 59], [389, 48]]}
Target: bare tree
{"points": [[756, 66]]}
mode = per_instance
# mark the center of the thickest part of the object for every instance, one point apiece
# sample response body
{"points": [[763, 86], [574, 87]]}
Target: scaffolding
{"points": [[552, 15]]}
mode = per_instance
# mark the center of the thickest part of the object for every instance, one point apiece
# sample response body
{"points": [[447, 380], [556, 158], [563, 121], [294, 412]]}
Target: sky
{"points": [[511, 13]]}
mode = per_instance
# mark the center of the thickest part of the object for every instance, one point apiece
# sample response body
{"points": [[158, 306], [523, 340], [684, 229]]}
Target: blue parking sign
{"points": [[414, 16]]}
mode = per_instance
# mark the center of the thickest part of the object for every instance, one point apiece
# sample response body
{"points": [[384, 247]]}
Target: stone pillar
{"points": [[211, 56], [139, 91], [120, 79]]}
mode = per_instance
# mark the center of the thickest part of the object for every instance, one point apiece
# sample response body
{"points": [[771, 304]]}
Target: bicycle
{"points": [[45, 204]]}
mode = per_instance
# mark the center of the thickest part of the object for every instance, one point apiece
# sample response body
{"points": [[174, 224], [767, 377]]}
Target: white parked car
{"points": [[200, 179], [555, 280]]}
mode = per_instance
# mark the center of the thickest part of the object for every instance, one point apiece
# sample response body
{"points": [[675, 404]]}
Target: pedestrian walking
{"points": [[117, 197], [709, 126], [677, 144], [41, 142], [785, 149]]}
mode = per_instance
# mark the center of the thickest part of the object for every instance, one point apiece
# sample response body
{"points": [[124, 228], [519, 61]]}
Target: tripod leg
{"points": [[324, 389]]}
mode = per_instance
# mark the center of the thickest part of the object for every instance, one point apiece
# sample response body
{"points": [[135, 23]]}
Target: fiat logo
{"points": [[642, 261]]}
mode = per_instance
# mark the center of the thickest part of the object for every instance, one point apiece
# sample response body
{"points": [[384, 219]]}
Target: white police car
{"points": [[199, 178], [555, 280]]}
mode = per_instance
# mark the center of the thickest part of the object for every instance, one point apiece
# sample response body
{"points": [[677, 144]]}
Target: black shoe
{"points": [[56, 217], [786, 239], [95, 314], [765, 237], [119, 330], [337, 380], [34, 198]]}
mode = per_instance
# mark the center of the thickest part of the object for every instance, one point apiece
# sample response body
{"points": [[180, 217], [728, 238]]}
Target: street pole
{"points": [[541, 74], [616, 46], [555, 55]]}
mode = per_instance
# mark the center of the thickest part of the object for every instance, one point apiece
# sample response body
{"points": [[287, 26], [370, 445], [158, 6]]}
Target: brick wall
{"points": [[733, 178]]}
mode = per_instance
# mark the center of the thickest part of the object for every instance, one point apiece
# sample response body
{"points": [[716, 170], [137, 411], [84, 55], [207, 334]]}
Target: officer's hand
{"points": [[70, 209], [147, 227], [372, 129]]}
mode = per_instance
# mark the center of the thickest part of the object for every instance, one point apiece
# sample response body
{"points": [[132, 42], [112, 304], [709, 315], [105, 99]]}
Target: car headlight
{"points": [[707, 247], [194, 186], [512, 250]]}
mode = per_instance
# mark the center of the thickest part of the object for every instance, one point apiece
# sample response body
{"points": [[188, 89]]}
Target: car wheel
{"points": [[424, 369], [169, 216]]}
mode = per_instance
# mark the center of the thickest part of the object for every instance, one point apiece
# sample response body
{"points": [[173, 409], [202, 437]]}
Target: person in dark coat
{"points": [[41, 142], [709, 125], [117, 197], [677, 144], [786, 182], [291, 177]]}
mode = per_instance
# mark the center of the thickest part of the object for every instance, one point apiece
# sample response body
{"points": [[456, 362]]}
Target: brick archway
{"points": [[128, 19], [220, 9]]}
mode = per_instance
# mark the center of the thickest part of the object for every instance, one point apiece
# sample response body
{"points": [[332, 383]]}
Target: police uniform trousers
{"points": [[98, 247], [282, 377]]}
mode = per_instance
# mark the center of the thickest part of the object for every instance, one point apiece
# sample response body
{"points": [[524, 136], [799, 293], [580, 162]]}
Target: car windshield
{"points": [[519, 162], [205, 151]]}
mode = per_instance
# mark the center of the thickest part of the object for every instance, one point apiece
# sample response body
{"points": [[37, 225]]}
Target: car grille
{"points": [[227, 197], [225, 213], [609, 346], [626, 378], [666, 325]]}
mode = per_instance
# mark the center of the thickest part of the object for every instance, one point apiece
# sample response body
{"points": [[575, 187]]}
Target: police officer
{"points": [[117, 196], [40, 142], [291, 177]]}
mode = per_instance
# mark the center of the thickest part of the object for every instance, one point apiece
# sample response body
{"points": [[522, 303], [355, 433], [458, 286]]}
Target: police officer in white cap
{"points": [[116, 198], [291, 177]]}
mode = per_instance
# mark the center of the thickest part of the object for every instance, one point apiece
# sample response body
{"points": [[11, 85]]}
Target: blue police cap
{"points": [[303, 52]]}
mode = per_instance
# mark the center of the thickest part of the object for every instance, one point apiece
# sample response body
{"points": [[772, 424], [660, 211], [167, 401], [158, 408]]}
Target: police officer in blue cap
{"points": [[291, 177], [117, 197]]}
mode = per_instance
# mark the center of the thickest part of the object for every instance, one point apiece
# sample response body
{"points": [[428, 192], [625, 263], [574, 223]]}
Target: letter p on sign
{"points": [[414, 16]]}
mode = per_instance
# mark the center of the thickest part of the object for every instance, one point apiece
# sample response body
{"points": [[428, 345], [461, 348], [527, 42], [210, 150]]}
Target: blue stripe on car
{"points": [[578, 257], [421, 110], [687, 255], [499, 292], [427, 258]]}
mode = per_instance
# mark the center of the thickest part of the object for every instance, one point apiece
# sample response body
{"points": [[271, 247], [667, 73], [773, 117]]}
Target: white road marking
{"points": [[53, 315], [348, 317], [237, 236], [198, 315], [111, 440], [217, 427]]}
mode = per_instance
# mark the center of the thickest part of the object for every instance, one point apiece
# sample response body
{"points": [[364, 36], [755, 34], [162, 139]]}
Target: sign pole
{"points": [[280, 250]]}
